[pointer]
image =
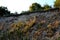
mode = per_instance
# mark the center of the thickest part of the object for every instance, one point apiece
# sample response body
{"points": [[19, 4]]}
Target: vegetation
{"points": [[33, 28], [57, 4], [4, 11], [35, 7], [38, 7], [47, 7]]}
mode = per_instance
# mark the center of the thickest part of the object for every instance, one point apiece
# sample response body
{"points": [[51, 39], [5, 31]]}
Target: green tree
{"points": [[35, 7], [4, 11], [47, 7], [57, 4]]}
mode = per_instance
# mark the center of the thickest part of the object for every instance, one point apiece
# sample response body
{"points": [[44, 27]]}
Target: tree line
{"points": [[38, 7], [34, 7]]}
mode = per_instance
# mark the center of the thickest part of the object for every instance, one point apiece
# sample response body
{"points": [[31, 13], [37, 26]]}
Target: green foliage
{"points": [[38, 7], [47, 7], [4, 11], [57, 4], [35, 7]]}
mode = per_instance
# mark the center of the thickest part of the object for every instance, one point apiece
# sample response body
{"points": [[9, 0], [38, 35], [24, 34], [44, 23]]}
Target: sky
{"points": [[23, 5]]}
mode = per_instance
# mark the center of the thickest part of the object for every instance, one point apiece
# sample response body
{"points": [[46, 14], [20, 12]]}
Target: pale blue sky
{"points": [[22, 5]]}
